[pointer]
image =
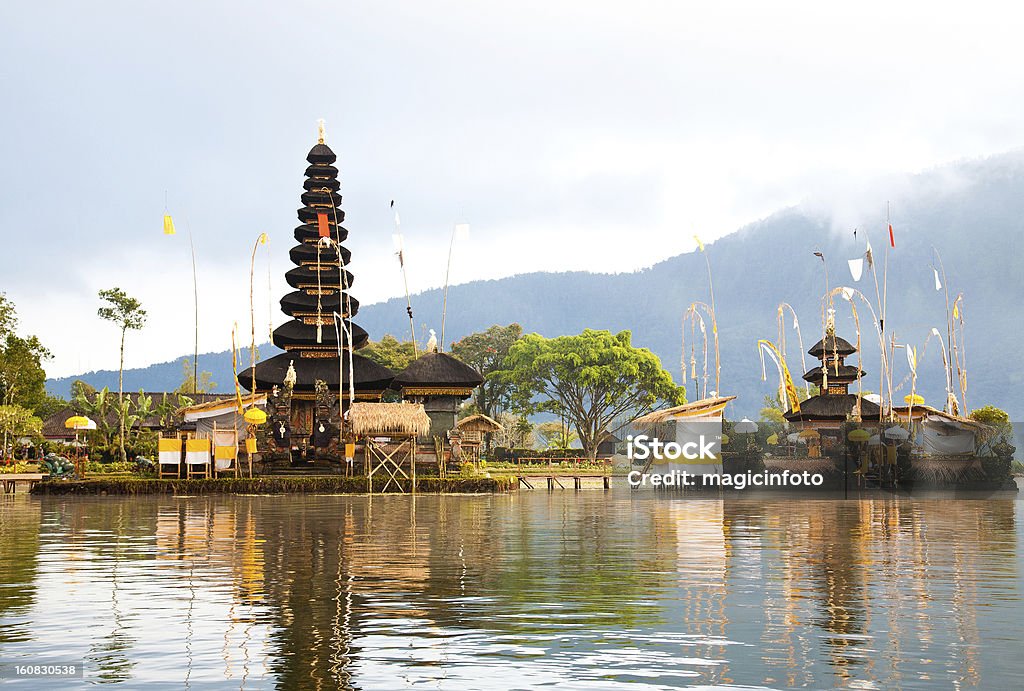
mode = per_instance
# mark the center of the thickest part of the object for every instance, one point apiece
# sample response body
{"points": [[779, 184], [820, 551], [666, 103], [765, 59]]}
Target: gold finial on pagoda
{"points": [[321, 135]]}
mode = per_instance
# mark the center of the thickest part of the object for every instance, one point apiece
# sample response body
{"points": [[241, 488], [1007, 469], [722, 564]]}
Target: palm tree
{"points": [[127, 313]]}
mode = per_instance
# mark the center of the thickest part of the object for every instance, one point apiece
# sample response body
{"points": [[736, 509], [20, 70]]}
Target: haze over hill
{"points": [[971, 212]]}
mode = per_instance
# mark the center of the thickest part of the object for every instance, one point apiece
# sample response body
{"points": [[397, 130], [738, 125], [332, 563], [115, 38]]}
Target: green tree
{"points": [[8, 316], [17, 421], [98, 406], [516, 431], [22, 377], [81, 390], [49, 405], [554, 435], [390, 352], [486, 351], [189, 385], [127, 313], [994, 417], [590, 380]]}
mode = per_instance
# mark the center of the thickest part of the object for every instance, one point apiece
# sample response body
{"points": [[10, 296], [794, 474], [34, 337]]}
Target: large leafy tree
{"points": [[591, 380], [127, 313], [22, 378], [486, 351]]}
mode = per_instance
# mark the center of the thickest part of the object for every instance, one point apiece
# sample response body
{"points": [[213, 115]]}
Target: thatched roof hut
{"points": [[369, 419], [479, 423], [437, 374], [705, 407]]}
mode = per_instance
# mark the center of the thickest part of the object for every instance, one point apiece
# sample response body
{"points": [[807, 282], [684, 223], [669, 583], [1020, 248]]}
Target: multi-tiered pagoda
{"points": [[834, 404], [307, 378]]}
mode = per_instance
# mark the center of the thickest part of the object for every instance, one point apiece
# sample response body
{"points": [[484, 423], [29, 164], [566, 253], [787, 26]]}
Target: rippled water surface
{"points": [[586, 590]]}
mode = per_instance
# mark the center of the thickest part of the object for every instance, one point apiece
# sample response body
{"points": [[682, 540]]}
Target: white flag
{"points": [[938, 283], [462, 230], [398, 221], [856, 268], [912, 358]]}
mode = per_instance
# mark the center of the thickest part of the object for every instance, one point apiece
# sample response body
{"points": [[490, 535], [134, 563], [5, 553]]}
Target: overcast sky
{"points": [[570, 135]]}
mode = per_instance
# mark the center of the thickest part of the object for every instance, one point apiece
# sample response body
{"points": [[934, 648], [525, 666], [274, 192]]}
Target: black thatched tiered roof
{"points": [[836, 374], [830, 345], [832, 407], [322, 284], [369, 375], [437, 374]]}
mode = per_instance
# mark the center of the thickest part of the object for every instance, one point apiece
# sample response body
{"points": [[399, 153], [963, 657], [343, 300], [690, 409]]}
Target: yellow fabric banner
{"points": [[194, 445], [169, 445]]}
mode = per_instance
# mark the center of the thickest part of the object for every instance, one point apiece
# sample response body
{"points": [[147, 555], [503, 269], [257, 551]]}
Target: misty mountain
{"points": [[971, 212]]}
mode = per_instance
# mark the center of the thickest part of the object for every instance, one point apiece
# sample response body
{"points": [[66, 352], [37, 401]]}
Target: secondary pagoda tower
{"points": [[834, 403], [310, 371]]}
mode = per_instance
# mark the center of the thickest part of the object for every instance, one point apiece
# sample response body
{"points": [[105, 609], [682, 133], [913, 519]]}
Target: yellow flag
{"points": [[956, 311], [699, 243], [168, 225], [263, 238]]}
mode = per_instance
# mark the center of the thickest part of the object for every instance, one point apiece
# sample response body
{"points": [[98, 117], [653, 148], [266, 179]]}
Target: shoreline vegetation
{"points": [[269, 485]]}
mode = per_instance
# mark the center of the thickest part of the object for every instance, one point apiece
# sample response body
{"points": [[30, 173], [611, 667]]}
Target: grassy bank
{"points": [[265, 485]]}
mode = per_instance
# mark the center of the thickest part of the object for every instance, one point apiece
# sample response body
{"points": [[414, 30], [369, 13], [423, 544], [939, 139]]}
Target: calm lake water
{"points": [[568, 590]]}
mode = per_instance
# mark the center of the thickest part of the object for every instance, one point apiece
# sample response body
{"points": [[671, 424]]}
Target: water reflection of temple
{"points": [[318, 592]]}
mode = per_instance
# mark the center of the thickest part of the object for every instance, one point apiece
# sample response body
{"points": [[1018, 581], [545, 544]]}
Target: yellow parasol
{"points": [[255, 416], [858, 435]]}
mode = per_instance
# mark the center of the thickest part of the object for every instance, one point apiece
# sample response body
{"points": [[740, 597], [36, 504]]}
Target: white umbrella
{"points": [[874, 440], [795, 438], [897, 433], [745, 426]]}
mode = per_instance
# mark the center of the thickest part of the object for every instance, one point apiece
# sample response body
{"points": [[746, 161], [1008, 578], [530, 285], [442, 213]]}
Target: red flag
{"points": [[325, 231], [892, 239]]}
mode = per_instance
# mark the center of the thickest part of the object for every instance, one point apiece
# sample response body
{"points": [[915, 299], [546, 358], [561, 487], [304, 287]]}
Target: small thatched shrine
{"points": [[440, 382], [388, 419], [472, 431], [388, 432]]}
